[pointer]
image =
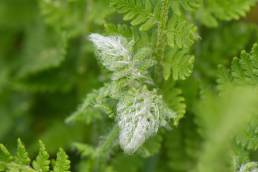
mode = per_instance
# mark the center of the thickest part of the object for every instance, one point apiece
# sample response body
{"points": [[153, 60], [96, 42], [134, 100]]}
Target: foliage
{"points": [[21, 161], [135, 85]]}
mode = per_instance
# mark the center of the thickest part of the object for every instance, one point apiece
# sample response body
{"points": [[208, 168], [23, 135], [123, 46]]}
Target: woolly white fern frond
{"points": [[140, 112], [249, 167], [113, 51], [139, 116]]}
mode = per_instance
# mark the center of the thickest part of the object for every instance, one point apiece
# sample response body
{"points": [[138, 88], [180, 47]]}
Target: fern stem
{"points": [[161, 43], [105, 148], [108, 143]]}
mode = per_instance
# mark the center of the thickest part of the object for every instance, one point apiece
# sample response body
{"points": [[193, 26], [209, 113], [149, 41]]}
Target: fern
{"points": [[50, 53], [22, 156], [243, 70], [250, 166], [140, 115], [224, 10], [21, 161], [248, 139], [62, 164], [186, 5], [149, 100], [42, 162], [181, 33], [176, 99], [116, 55], [62, 16], [179, 64], [139, 12]]}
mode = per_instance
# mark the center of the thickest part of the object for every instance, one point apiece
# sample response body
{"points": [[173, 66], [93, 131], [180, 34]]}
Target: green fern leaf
{"points": [[174, 99], [93, 102], [22, 156], [181, 32], [42, 161], [21, 161], [62, 164], [122, 30], [243, 70], [187, 5], [223, 10], [179, 63], [62, 15], [5, 154], [248, 138], [140, 12], [50, 53]]}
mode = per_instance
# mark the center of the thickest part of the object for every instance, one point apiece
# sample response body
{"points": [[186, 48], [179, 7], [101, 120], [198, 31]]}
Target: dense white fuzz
{"points": [[112, 50], [115, 53], [249, 167], [139, 115]]}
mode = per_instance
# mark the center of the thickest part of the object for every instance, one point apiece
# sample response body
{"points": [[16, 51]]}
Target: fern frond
{"points": [[179, 64], [243, 70], [21, 156], [62, 163], [139, 116], [113, 51], [140, 12], [174, 99], [116, 54], [248, 138], [65, 16], [42, 162], [94, 101], [249, 167], [140, 112], [49, 54], [120, 29], [21, 161], [5, 154], [187, 5], [191, 4], [181, 32], [224, 10], [103, 150]]}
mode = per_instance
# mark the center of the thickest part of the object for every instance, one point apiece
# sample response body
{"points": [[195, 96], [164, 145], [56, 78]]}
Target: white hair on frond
{"points": [[113, 51], [139, 116], [249, 167]]}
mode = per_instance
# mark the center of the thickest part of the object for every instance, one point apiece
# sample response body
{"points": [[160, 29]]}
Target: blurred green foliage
{"points": [[48, 66]]}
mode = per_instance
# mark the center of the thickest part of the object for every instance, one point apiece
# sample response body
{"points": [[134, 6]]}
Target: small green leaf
{"points": [[179, 63], [62, 163], [22, 156], [42, 160]]}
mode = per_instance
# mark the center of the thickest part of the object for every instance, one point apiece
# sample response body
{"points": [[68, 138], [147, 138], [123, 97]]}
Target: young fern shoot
{"points": [[140, 112]]}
